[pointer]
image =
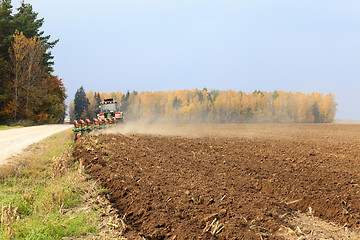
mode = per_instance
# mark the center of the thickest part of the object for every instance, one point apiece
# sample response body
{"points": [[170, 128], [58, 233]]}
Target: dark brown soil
{"points": [[223, 187]]}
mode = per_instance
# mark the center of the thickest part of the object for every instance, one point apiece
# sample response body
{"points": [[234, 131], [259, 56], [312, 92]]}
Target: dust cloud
{"points": [[265, 131], [163, 129]]}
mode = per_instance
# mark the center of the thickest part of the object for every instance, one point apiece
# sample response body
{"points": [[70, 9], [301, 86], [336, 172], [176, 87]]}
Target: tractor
{"points": [[110, 109], [109, 116]]}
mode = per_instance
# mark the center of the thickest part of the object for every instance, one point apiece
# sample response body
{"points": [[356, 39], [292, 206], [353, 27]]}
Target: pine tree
{"points": [[6, 31], [26, 21], [6, 28], [97, 97], [98, 101], [81, 103]]}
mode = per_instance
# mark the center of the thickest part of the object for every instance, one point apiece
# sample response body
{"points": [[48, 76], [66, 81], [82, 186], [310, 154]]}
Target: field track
{"points": [[228, 181], [13, 141]]}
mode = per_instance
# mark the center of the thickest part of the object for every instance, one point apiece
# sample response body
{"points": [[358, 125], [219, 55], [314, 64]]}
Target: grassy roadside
{"points": [[6, 127], [41, 194]]}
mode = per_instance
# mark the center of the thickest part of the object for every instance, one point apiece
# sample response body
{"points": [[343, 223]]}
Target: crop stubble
{"points": [[229, 182]]}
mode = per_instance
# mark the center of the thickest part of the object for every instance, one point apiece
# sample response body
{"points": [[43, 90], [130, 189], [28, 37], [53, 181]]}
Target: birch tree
{"points": [[18, 52]]}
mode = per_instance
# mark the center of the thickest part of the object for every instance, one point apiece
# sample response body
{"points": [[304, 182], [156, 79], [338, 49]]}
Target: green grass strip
{"points": [[47, 207], [5, 127]]}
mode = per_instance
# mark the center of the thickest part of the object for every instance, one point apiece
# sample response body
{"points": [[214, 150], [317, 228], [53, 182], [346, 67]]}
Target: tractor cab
{"points": [[109, 109]]}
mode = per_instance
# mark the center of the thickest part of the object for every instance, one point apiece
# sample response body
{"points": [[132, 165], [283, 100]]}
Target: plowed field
{"points": [[227, 181]]}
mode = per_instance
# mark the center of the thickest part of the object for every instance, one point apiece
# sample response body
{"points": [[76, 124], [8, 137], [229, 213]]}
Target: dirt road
{"points": [[13, 141]]}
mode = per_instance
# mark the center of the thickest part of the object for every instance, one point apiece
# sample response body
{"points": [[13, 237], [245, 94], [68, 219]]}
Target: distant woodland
{"points": [[215, 106], [29, 92]]}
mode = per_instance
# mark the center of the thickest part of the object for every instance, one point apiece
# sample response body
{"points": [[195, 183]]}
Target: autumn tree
{"points": [[176, 104], [29, 78], [26, 66], [72, 110], [18, 56], [94, 100], [230, 106], [34, 76]]}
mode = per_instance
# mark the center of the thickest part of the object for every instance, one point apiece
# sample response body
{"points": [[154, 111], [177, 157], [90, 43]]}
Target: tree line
{"points": [[215, 106], [28, 89]]}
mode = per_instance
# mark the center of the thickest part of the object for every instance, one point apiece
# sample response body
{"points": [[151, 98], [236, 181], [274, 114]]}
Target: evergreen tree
{"points": [[98, 98], [6, 28], [81, 103], [6, 31], [26, 21], [98, 101]]}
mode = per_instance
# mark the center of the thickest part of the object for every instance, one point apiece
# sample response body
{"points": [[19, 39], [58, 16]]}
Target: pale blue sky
{"points": [[116, 45]]}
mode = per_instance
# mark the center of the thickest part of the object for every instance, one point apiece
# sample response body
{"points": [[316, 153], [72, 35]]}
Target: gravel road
{"points": [[13, 141]]}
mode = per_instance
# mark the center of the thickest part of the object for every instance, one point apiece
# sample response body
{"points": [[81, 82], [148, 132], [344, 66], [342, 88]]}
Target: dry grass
{"points": [[45, 194], [40, 190]]}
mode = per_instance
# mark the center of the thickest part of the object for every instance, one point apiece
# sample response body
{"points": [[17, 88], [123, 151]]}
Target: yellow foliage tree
{"points": [[229, 106]]}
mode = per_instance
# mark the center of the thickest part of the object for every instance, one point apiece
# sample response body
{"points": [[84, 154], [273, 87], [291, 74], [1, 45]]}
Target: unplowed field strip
{"points": [[225, 187]]}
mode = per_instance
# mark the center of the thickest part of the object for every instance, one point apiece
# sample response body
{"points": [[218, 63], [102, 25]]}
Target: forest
{"points": [[212, 106], [29, 91]]}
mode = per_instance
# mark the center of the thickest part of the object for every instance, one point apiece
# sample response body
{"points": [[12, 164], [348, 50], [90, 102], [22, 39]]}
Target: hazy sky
{"points": [[116, 45]]}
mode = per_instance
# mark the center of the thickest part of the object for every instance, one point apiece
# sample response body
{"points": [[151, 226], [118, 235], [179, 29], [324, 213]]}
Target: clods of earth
{"points": [[230, 186]]}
